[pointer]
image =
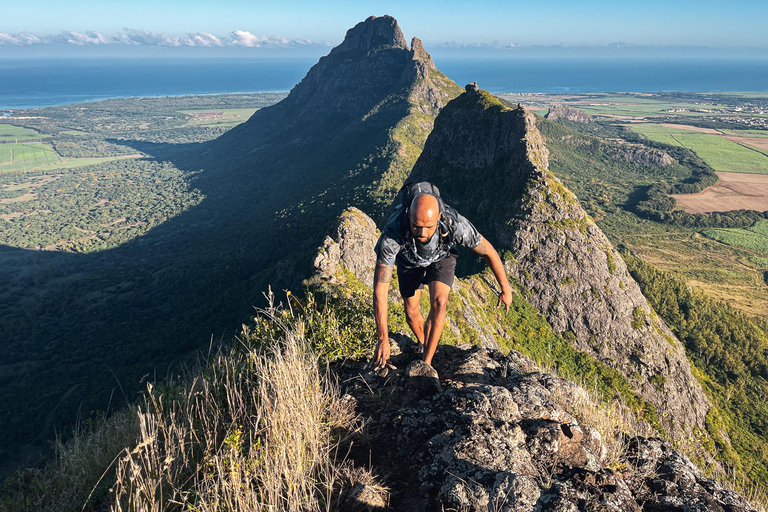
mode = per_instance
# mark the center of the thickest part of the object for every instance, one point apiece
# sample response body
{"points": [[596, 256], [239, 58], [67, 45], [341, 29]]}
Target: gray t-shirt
{"points": [[396, 243]]}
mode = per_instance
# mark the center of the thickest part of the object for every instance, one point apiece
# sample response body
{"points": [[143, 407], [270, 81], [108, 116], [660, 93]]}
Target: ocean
{"points": [[42, 82]]}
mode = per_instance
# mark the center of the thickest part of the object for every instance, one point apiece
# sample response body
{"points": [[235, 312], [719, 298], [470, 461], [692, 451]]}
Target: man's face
{"points": [[424, 216]]}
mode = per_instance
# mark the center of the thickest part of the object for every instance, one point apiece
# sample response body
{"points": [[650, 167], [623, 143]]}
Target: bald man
{"points": [[420, 240]]}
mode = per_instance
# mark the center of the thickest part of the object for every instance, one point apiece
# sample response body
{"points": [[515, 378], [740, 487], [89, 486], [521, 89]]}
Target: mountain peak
{"points": [[373, 33]]}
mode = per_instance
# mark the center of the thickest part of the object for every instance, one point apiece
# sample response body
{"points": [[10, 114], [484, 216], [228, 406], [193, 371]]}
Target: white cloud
{"points": [[145, 37], [139, 37], [20, 39], [79, 39], [244, 38], [202, 39]]}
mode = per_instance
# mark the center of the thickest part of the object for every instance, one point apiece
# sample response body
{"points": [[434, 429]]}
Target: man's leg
{"points": [[438, 299], [410, 290], [413, 316]]}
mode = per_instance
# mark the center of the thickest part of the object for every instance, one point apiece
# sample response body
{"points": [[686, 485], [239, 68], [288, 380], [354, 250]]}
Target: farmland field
{"points": [[755, 237], [17, 157], [734, 191], [723, 155], [220, 117], [12, 133]]}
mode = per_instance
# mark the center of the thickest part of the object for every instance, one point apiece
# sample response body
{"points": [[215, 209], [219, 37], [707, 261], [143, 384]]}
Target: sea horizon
{"points": [[48, 82]]}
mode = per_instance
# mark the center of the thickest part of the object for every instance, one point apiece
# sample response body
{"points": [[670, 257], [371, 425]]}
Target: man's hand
{"points": [[506, 298], [381, 356], [492, 259]]}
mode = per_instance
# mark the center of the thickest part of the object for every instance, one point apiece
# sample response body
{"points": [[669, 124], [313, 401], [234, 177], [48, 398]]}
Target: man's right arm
{"points": [[382, 277]]}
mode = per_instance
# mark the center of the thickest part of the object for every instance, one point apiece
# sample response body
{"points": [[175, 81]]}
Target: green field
{"points": [[746, 133], [41, 157], [643, 107], [11, 133], [723, 155], [21, 157], [218, 117], [755, 237]]}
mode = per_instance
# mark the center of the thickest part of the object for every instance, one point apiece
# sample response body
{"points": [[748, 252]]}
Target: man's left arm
{"points": [[492, 259]]}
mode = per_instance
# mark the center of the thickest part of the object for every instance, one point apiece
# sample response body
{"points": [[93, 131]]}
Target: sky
{"points": [[249, 23]]}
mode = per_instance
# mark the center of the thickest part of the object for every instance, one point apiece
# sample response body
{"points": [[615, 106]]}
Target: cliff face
{"points": [[569, 113], [638, 154], [491, 163]]}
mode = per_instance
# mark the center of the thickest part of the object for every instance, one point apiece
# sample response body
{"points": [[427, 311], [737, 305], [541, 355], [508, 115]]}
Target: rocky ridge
{"points": [[639, 154], [485, 430], [492, 165], [494, 432], [565, 112]]}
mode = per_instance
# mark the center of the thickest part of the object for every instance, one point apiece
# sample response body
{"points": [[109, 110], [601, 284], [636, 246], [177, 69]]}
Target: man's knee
{"points": [[412, 310], [439, 303]]}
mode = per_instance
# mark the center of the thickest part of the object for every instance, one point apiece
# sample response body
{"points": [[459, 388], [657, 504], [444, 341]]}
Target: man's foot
{"points": [[419, 348]]}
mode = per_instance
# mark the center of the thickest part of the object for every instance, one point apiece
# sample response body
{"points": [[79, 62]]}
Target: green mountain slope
{"points": [[85, 330]]}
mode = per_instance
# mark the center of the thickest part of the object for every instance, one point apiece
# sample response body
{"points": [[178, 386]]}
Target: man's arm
{"points": [[492, 259], [382, 277]]}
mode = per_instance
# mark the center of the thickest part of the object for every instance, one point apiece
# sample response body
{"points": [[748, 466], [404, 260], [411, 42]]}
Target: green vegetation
{"points": [[10, 133], [730, 351], [754, 237], [257, 425], [25, 156], [227, 117], [91, 208], [723, 155], [528, 331], [615, 192]]}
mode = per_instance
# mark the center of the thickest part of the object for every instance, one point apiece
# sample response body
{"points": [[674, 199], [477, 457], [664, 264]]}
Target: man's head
{"points": [[424, 215]]}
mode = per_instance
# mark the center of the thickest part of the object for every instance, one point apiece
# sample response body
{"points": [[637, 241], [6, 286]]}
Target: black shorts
{"points": [[414, 278]]}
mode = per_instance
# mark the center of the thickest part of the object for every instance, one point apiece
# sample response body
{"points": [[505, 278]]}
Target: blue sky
{"points": [[541, 22]]}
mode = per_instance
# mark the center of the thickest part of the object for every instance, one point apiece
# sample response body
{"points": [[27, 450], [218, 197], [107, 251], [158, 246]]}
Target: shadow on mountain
{"points": [[83, 332], [163, 151], [637, 195]]}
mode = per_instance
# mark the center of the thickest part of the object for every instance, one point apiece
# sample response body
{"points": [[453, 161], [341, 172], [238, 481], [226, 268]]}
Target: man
{"points": [[420, 238]]}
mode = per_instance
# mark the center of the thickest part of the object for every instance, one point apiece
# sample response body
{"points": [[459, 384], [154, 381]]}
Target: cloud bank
{"points": [[138, 37]]}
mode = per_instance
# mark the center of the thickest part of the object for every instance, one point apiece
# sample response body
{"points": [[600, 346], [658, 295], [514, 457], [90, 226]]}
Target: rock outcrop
{"points": [[565, 112], [497, 433], [349, 247], [638, 154], [491, 163]]}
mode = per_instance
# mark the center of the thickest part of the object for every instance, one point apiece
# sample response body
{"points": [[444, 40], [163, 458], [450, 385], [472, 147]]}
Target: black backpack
{"points": [[447, 218]]}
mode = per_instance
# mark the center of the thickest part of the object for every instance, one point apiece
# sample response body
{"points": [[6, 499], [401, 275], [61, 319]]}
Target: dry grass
{"points": [[77, 475], [255, 433], [259, 428], [614, 420]]}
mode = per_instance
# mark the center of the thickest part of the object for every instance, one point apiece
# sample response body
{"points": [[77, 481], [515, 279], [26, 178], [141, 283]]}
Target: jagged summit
{"points": [[352, 98], [371, 34]]}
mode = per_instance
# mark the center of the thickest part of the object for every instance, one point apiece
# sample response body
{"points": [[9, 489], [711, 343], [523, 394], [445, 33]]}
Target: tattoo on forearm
{"points": [[383, 274], [482, 249]]}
